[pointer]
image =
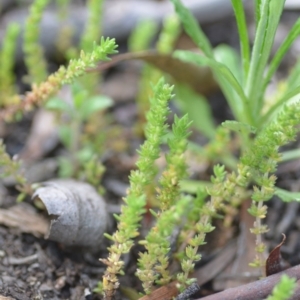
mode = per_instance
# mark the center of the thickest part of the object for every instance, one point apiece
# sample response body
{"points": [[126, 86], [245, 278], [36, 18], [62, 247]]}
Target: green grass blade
{"points": [[243, 34], [198, 109], [287, 196], [257, 4], [290, 155], [7, 60], [192, 186], [192, 28], [287, 96], [257, 46], [269, 19], [230, 58], [237, 100], [142, 35], [294, 77], [293, 34]]}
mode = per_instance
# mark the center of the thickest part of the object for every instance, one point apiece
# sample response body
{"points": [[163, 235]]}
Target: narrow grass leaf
{"points": [[257, 4], [286, 97], [264, 38], [239, 127], [281, 52], [290, 155], [141, 37], [227, 80], [258, 44], [243, 34], [197, 108], [192, 28], [294, 77], [230, 58]]}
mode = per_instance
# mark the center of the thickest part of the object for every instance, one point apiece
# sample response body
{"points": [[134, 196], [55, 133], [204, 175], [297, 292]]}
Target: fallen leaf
{"points": [[28, 260], [43, 136], [166, 292], [273, 263], [199, 78], [77, 212], [25, 218], [6, 298], [238, 271], [35, 171], [210, 270]]}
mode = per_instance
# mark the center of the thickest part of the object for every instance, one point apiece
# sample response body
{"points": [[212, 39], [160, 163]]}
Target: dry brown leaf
{"points": [[35, 171], [239, 272], [6, 298], [273, 262], [25, 218], [77, 212], [199, 78], [43, 136], [166, 292], [215, 267]]}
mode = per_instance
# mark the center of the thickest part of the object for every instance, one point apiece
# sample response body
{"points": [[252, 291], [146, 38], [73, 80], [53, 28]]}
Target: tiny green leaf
{"points": [[79, 95], [231, 87], [284, 289], [65, 134], [197, 108], [287, 196], [58, 104], [239, 127], [66, 167], [192, 28], [95, 104]]}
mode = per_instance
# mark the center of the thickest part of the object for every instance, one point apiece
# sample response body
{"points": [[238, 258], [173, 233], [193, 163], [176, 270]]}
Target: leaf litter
{"points": [[54, 271], [77, 212]]}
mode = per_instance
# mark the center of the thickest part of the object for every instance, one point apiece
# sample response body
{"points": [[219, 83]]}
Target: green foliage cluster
{"points": [[154, 262], [245, 89], [284, 289], [34, 56], [261, 128], [93, 26], [131, 215], [83, 159], [11, 167], [76, 68], [140, 40], [7, 80]]}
